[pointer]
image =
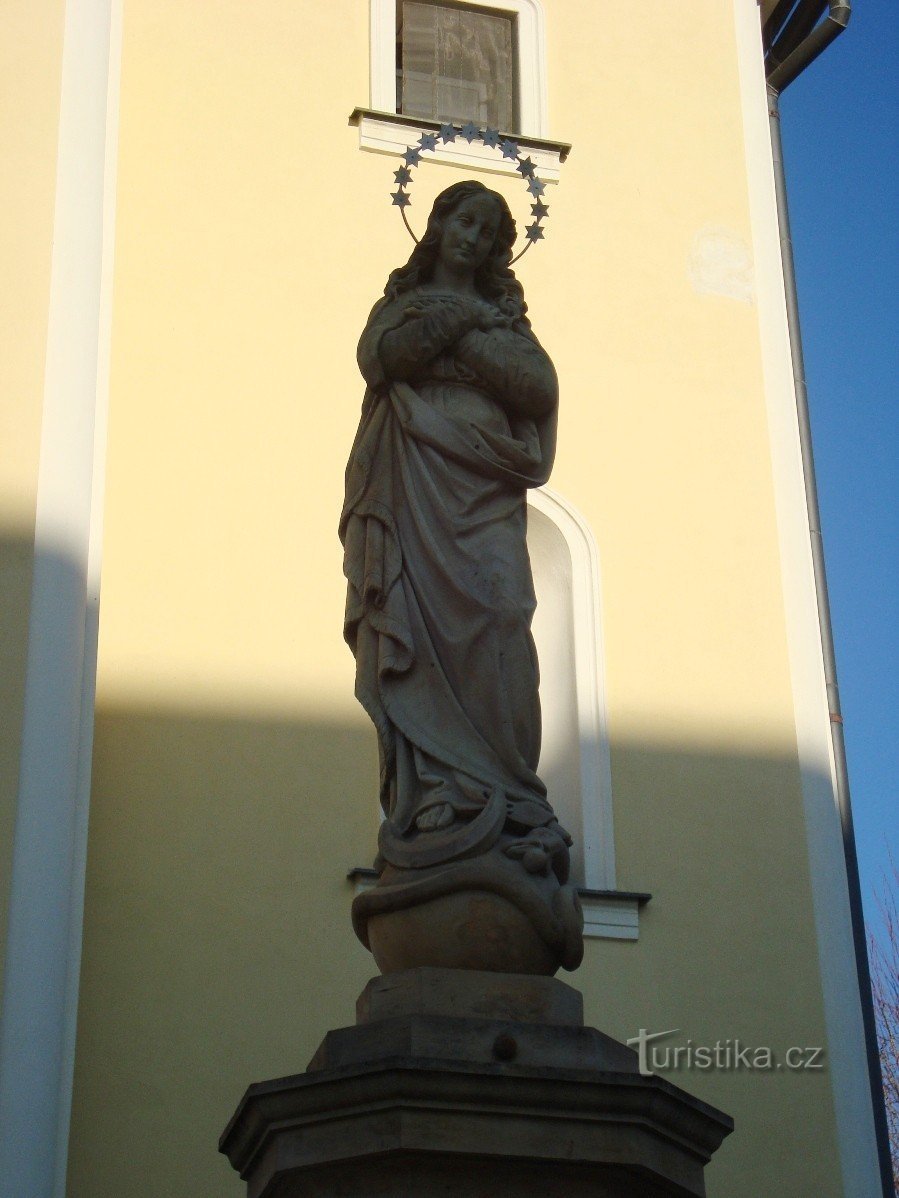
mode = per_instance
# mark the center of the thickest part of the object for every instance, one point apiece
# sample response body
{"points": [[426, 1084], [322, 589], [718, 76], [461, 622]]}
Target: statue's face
{"points": [[469, 233]]}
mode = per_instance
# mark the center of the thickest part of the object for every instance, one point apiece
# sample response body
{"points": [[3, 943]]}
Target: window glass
{"points": [[456, 64]]}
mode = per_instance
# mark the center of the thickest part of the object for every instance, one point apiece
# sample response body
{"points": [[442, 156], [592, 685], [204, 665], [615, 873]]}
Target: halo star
{"points": [[507, 146]]}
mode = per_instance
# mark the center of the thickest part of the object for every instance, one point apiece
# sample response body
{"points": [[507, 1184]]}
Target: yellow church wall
{"points": [[30, 66], [234, 775]]}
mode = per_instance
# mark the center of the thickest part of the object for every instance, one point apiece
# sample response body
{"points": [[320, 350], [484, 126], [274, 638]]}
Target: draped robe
{"points": [[457, 423]]}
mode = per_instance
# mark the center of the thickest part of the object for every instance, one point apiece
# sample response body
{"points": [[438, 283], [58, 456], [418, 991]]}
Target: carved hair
{"points": [[494, 278]]}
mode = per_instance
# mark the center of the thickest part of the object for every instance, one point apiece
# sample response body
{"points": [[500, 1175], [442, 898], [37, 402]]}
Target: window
{"points": [[457, 64], [482, 62]]}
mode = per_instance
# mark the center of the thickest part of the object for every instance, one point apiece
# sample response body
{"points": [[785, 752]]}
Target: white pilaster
{"points": [[46, 899], [839, 982]]}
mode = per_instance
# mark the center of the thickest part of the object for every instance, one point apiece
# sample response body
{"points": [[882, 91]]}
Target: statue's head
{"points": [[493, 276], [466, 195]]}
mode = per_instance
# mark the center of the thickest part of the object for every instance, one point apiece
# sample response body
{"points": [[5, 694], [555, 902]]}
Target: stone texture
{"points": [[468, 994], [466, 930], [409, 1104]]}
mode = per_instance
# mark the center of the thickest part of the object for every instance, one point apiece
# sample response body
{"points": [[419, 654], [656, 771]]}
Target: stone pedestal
{"points": [[469, 1084]]}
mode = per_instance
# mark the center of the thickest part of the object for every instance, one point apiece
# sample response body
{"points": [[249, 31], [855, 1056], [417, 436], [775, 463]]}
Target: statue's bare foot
{"points": [[439, 816]]}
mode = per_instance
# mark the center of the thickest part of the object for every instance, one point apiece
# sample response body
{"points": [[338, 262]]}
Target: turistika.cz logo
{"points": [[723, 1054]]}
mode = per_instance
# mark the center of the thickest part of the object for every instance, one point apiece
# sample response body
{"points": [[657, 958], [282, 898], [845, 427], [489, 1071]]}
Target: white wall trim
{"points": [[845, 1032], [595, 764], [532, 100], [393, 137], [611, 919], [47, 889]]}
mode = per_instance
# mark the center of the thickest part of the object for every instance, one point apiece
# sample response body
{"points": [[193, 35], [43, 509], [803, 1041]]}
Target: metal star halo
{"points": [[490, 138]]}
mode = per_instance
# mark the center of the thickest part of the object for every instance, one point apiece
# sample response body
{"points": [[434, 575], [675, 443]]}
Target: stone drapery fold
{"points": [[456, 424]]}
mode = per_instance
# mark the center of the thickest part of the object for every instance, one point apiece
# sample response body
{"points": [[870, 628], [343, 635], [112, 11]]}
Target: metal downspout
{"points": [[782, 75]]}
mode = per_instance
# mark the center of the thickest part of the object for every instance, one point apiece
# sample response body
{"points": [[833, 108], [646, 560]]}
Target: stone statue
{"points": [[458, 420]]}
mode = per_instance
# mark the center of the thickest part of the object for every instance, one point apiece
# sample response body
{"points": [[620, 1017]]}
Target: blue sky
{"points": [[840, 122]]}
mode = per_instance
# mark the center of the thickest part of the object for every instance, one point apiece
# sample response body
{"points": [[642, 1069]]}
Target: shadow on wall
{"points": [[218, 947], [16, 561]]}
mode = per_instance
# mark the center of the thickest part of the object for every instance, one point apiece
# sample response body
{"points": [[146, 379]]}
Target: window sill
{"points": [[392, 133], [612, 914], [608, 914]]}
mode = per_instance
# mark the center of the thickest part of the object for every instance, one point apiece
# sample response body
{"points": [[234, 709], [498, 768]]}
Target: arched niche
{"points": [[574, 761]]}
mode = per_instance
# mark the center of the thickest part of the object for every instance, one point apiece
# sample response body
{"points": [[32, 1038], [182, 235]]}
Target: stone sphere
{"points": [[464, 930]]}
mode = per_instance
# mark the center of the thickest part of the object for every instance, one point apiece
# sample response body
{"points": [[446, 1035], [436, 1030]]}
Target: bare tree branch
{"points": [[883, 950]]}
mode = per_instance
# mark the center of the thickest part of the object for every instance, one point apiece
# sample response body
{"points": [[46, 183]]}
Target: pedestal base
{"points": [[468, 1085]]}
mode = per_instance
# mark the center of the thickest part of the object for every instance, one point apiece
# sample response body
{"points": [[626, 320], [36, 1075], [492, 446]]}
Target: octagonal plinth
{"points": [[410, 1102]]}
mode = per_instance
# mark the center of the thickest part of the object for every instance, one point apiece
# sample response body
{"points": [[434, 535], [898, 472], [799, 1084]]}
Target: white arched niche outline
{"points": [[574, 761]]}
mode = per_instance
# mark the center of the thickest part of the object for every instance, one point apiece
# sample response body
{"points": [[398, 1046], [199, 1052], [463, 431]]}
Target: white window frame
{"points": [[392, 137]]}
